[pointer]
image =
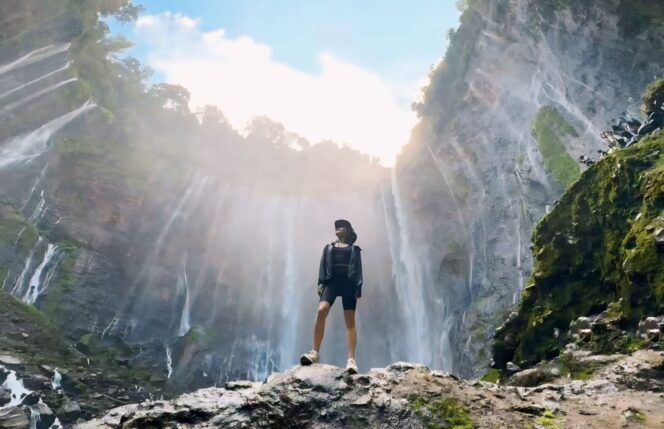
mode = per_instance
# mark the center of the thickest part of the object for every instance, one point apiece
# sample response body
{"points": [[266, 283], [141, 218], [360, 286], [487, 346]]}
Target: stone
{"points": [[582, 323], [69, 412], [30, 399], [512, 367], [36, 382], [650, 323], [42, 415], [654, 335], [585, 334], [10, 361], [533, 377], [4, 372], [5, 397], [13, 418], [659, 239]]}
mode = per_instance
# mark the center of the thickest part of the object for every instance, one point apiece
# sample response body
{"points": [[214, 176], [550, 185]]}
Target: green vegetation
{"points": [[493, 376], [653, 98], [445, 413], [550, 130], [595, 251], [11, 225], [548, 420]]}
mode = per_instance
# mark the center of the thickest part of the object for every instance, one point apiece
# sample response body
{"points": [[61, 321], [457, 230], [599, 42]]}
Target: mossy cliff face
{"points": [[597, 248], [525, 89]]}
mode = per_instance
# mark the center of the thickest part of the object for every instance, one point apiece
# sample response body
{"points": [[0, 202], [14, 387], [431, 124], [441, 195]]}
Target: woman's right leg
{"points": [[319, 326]]}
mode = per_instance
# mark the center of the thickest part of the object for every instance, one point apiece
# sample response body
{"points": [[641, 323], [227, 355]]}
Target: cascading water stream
{"points": [[290, 306], [27, 99], [34, 81], [410, 287], [183, 288], [18, 392], [35, 56], [35, 286], [18, 284], [25, 148], [169, 362]]}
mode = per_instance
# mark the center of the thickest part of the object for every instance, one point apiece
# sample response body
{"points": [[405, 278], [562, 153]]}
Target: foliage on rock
{"points": [[595, 249]]}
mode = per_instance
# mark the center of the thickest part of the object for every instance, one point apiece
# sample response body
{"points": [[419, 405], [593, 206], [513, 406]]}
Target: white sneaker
{"points": [[309, 358], [351, 366]]}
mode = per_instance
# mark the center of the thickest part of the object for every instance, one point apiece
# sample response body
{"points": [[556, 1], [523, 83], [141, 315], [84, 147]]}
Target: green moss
{"points": [[550, 129], [445, 413], [547, 420], [595, 251], [653, 96], [493, 376], [631, 344], [15, 230]]}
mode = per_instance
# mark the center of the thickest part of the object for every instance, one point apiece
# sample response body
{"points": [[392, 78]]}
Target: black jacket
{"points": [[354, 270]]}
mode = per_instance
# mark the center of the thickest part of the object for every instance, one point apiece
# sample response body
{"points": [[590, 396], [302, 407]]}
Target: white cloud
{"points": [[343, 102]]}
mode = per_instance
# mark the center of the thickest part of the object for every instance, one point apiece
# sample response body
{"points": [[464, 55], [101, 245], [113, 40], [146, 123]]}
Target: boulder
{"points": [[4, 372], [36, 382], [69, 412], [512, 367], [13, 418], [42, 415], [30, 399], [533, 377], [10, 361], [5, 397]]}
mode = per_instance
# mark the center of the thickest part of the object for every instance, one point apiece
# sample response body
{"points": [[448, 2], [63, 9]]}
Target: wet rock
{"points": [[10, 361], [13, 418], [30, 399], [4, 372], [5, 397], [42, 415], [512, 367], [36, 382], [69, 412]]}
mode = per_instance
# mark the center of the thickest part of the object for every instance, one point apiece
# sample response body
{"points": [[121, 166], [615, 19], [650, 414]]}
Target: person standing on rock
{"points": [[339, 274]]}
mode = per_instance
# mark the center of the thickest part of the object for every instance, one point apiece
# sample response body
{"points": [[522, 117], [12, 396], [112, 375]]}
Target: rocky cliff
{"points": [[525, 89], [620, 394]]}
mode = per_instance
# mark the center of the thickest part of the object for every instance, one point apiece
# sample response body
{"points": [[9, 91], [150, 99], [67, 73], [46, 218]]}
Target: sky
{"points": [[343, 70]]}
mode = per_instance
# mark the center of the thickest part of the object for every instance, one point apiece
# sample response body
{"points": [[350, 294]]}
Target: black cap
{"points": [[342, 223]]}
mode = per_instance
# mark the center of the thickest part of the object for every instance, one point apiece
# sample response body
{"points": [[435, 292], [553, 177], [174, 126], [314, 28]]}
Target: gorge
{"points": [[148, 250]]}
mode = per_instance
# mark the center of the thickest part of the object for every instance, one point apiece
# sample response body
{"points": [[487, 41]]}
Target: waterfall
{"points": [[39, 210], [37, 80], [14, 385], [35, 285], [27, 99], [18, 284], [56, 381], [27, 147], [290, 307], [410, 287], [183, 288], [169, 362], [35, 56]]}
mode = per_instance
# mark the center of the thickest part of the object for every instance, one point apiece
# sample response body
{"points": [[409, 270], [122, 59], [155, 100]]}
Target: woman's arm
{"points": [[321, 269], [358, 284]]}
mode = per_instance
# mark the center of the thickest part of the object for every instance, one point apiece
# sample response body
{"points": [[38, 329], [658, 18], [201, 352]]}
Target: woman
{"points": [[340, 274]]}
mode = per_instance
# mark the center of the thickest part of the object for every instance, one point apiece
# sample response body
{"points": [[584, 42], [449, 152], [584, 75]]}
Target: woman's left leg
{"points": [[351, 332]]}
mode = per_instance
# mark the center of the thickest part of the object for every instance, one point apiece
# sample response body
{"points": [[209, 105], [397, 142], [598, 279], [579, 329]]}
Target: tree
{"points": [[173, 97]]}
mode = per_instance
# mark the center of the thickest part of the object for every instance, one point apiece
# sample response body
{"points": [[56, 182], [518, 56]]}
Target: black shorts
{"points": [[345, 289]]}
